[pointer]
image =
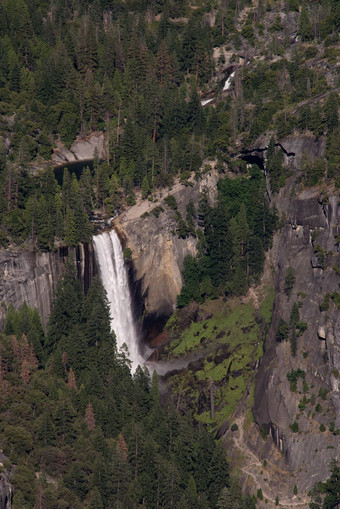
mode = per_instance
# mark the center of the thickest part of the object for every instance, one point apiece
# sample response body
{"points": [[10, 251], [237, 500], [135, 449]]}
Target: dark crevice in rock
{"points": [[288, 154], [254, 159]]}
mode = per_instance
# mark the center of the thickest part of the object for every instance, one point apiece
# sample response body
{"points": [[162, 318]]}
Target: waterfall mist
{"points": [[113, 274]]}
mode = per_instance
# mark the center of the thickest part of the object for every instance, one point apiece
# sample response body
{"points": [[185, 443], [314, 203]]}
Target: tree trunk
{"points": [[212, 406]]}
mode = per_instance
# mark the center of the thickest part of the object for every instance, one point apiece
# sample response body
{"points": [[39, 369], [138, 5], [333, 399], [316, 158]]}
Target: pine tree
{"points": [[70, 228], [218, 474], [58, 221], [90, 418], [66, 189], [66, 308], [331, 112], [71, 380], [45, 233], [122, 472], [96, 315], [87, 56], [46, 431], [305, 28], [293, 321]]}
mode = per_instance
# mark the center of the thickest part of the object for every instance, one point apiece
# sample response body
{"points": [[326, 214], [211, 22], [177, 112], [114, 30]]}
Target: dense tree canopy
{"points": [[137, 71], [237, 231], [96, 433]]}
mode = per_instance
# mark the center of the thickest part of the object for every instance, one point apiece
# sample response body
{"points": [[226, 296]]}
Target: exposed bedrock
{"points": [[157, 252], [6, 488], [6, 492], [293, 148], [32, 277], [82, 149], [307, 243]]}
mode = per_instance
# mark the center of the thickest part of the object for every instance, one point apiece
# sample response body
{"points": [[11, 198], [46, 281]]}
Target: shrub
{"points": [[127, 254], [302, 405], [234, 427], [171, 202], [310, 52], [301, 326], [321, 255], [156, 211], [336, 299], [282, 331], [294, 427], [323, 393], [264, 431], [289, 281], [322, 427], [259, 494], [337, 269], [325, 304], [293, 376]]}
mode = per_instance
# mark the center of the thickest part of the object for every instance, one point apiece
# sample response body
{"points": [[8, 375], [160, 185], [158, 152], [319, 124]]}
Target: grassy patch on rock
{"points": [[222, 342]]}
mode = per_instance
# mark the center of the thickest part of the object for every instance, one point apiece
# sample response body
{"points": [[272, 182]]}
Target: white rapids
{"points": [[113, 274], [227, 83]]}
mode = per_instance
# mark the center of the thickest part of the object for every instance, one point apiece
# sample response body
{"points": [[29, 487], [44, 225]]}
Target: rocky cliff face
{"points": [[82, 149], [157, 252], [304, 422], [6, 488], [6, 493], [293, 148], [32, 277]]}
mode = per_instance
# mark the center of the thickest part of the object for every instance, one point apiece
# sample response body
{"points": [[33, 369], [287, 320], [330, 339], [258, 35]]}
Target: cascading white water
{"points": [[227, 83], [113, 274]]}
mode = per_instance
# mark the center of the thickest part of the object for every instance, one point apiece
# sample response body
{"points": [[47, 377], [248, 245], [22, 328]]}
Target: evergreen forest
{"points": [[83, 432], [138, 71], [176, 89]]}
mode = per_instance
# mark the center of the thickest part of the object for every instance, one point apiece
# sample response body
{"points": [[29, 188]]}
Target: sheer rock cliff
{"points": [[31, 277], [157, 251], [308, 244]]}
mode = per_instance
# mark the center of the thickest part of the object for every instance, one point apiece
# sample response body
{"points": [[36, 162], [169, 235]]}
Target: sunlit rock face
{"points": [[157, 251], [82, 149]]}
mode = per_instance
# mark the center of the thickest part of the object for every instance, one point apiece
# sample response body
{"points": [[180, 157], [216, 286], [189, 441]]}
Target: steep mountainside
{"points": [[152, 232], [211, 134], [297, 395]]}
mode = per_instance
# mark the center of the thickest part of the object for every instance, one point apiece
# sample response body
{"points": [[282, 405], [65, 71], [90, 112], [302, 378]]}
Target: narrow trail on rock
{"points": [[252, 467]]}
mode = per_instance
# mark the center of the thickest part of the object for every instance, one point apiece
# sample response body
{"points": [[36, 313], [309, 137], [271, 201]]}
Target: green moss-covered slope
{"points": [[224, 348]]}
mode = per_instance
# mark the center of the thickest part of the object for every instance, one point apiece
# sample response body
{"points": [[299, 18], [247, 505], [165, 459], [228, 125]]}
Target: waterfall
{"points": [[113, 274], [227, 83]]}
